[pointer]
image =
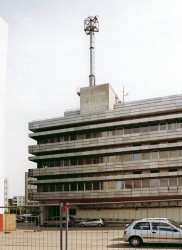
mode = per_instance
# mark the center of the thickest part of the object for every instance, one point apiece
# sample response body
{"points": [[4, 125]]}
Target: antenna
{"points": [[91, 25], [124, 94]]}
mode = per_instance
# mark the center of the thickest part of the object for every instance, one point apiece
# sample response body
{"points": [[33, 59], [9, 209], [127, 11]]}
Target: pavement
{"points": [[76, 238]]}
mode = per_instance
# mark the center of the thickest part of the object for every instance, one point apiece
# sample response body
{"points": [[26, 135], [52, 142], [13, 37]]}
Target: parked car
{"points": [[152, 230], [92, 223], [55, 222], [20, 219]]}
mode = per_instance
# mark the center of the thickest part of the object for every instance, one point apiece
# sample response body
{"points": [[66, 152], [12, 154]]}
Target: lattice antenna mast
{"points": [[91, 25]]}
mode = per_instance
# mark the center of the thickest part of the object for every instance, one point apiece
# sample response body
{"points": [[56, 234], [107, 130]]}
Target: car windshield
{"points": [[175, 223]]}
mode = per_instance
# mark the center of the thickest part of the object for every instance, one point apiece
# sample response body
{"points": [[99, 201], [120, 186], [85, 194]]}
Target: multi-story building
{"points": [[18, 201], [3, 64], [29, 189], [6, 197], [108, 151]]}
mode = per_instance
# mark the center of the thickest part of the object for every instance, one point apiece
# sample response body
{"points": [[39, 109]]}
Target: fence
{"points": [[90, 226]]}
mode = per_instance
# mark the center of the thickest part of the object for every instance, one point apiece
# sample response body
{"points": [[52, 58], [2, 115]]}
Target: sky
{"points": [[139, 46]]}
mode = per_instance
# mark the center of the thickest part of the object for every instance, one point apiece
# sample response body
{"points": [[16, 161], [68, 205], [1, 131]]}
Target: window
{"points": [[172, 126], [155, 183], [73, 162], [137, 183], [180, 181], [137, 156], [172, 170], [153, 171], [154, 155], [80, 136], [66, 138], [73, 137], [66, 163], [136, 130], [145, 183], [172, 153], [119, 158], [120, 184], [144, 129], [128, 157], [142, 226], [172, 182], [119, 131], [164, 182], [127, 131], [163, 154], [128, 184], [81, 161], [153, 128], [88, 161], [161, 226], [66, 186], [88, 185], [96, 160], [137, 171], [80, 185], [179, 152], [96, 185], [73, 186], [145, 156], [163, 126], [179, 124]]}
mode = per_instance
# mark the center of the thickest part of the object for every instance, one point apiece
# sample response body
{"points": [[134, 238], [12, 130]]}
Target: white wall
{"points": [[3, 62]]}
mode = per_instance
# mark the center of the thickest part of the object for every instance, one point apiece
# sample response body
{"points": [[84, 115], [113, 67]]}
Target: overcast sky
{"points": [[139, 45]]}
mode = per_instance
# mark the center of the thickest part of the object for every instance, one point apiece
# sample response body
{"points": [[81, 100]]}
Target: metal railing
{"points": [[84, 225]]}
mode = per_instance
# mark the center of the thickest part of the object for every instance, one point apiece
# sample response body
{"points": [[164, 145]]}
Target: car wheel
{"points": [[99, 225], [135, 241]]}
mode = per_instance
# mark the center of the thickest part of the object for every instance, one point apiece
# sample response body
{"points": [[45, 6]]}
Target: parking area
{"points": [[77, 239]]}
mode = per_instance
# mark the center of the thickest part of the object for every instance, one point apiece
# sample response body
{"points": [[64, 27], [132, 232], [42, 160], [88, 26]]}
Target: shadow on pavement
{"points": [[161, 246]]}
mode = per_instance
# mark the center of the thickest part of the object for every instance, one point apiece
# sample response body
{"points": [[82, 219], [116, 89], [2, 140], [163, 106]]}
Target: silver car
{"points": [[92, 223], [152, 230]]}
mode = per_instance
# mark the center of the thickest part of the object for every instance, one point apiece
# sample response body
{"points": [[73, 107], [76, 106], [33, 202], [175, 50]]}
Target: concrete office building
{"points": [[3, 64], [108, 151], [29, 189]]}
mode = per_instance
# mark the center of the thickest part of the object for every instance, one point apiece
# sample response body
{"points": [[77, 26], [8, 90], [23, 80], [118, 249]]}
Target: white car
{"points": [[152, 230]]}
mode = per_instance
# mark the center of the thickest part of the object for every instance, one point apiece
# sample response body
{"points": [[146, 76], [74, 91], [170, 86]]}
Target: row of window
{"points": [[117, 131], [109, 173], [111, 185], [137, 156]]}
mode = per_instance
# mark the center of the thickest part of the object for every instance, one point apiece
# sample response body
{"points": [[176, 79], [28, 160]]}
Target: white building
{"points": [[6, 193], [18, 201], [3, 62]]}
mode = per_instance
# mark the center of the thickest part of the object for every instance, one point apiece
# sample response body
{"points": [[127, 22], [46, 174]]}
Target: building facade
{"points": [[29, 189], [18, 201], [108, 151], [6, 195], [3, 64]]}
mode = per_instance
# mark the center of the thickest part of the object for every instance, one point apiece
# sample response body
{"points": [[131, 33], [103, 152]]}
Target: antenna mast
{"points": [[91, 25]]}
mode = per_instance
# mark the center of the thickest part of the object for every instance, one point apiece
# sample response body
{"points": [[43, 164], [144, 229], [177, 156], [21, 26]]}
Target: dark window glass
{"points": [[73, 186], [96, 186], [142, 226], [66, 186], [88, 185], [81, 186]]}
